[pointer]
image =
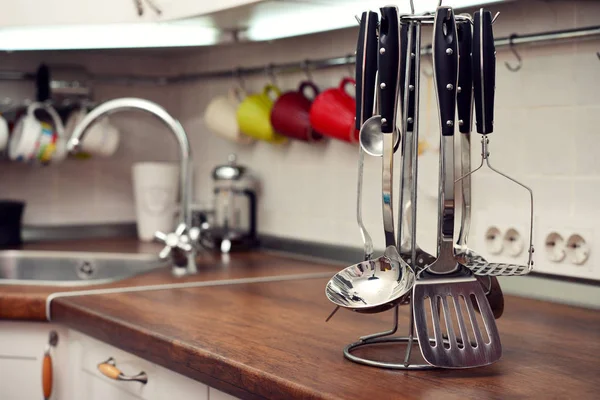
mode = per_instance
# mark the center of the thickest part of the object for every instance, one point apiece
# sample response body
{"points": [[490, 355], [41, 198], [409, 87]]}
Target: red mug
{"points": [[290, 115], [333, 112]]}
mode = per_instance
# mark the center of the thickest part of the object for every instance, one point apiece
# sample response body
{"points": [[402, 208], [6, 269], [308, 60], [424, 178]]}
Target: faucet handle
{"points": [[177, 239]]}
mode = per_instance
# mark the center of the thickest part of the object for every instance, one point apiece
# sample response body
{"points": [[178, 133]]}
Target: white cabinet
{"points": [[22, 346], [75, 369], [80, 12]]}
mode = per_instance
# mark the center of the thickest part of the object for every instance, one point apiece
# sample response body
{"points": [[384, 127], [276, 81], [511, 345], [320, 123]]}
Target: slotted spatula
{"points": [[446, 287]]}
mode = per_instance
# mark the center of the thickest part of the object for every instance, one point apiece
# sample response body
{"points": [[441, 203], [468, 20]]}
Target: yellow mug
{"points": [[254, 116]]}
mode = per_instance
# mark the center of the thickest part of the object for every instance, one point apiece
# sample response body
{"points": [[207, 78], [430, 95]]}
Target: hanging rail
{"points": [[290, 67]]}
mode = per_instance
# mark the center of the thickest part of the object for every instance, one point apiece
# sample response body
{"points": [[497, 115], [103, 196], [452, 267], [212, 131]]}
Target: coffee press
{"points": [[233, 225]]}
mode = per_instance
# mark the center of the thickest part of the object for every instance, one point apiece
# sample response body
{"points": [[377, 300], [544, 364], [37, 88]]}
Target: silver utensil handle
{"points": [[367, 241], [387, 185]]}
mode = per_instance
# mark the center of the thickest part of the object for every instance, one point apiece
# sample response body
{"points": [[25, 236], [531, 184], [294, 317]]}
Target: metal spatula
{"points": [[446, 287]]}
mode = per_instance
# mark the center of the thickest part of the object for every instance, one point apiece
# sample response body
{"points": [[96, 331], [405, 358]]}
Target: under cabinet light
{"points": [[321, 18], [108, 36]]}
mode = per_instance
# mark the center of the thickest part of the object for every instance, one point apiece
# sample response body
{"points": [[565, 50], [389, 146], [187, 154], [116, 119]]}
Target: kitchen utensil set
{"points": [[454, 296]]}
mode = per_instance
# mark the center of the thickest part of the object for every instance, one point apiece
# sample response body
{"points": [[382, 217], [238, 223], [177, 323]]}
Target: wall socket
{"points": [[563, 246], [501, 239], [566, 247]]}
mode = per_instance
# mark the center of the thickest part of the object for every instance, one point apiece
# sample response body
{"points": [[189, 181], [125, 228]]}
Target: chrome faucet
{"points": [[181, 238]]}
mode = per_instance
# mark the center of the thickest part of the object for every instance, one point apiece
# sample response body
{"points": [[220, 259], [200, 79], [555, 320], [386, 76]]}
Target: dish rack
{"points": [[59, 93]]}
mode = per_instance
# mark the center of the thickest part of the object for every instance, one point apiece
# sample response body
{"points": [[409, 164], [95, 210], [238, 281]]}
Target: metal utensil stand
{"points": [[388, 337]]}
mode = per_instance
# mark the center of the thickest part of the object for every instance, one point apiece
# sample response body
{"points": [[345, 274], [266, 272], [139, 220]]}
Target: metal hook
{"points": [[270, 71], [495, 17], [439, 3], [412, 7], [306, 69], [467, 16], [237, 74], [514, 51], [350, 60]]}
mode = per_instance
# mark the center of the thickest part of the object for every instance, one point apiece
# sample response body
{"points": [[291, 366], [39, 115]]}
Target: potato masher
{"points": [[484, 71]]}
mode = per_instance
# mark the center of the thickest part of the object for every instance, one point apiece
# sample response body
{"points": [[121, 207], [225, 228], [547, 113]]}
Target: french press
{"points": [[234, 220]]}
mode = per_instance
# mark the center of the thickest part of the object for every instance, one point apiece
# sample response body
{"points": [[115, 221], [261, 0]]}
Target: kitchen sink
{"points": [[59, 268]]}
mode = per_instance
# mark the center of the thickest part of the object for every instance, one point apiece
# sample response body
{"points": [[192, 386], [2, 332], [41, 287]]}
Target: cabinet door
{"points": [[172, 385], [97, 388], [161, 384], [22, 346]]}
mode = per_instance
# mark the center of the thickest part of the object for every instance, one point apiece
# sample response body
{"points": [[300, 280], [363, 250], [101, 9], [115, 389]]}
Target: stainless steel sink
{"points": [[59, 268]]}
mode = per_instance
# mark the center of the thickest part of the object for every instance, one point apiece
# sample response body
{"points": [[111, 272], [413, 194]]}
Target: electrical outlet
{"points": [[513, 242], [568, 247], [501, 238], [493, 240], [554, 247], [578, 250]]}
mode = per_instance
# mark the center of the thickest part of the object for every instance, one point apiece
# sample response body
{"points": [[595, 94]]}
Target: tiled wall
{"points": [[545, 133]]}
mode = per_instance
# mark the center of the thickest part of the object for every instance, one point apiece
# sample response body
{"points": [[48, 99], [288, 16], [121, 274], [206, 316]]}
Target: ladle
{"points": [[379, 284], [366, 76]]}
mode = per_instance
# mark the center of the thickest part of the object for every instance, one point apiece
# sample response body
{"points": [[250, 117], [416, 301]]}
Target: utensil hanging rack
{"points": [[305, 65], [58, 93]]}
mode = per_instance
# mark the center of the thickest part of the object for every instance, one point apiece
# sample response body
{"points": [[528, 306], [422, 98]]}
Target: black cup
{"points": [[11, 212]]}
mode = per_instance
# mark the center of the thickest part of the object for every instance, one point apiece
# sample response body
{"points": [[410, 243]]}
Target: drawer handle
{"points": [[47, 372], [109, 369], [47, 376]]}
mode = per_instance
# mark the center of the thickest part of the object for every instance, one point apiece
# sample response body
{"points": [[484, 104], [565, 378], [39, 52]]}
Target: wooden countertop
{"points": [[27, 302], [270, 341]]}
